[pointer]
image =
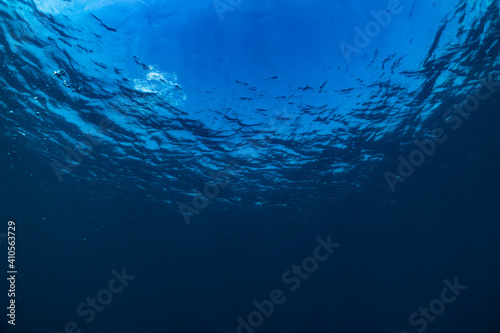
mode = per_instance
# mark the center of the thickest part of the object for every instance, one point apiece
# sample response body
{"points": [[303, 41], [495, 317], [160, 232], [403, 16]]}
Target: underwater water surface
{"points": [[250, 166]]}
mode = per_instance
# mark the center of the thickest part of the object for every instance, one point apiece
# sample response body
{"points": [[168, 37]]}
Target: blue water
{"points": [[167, 163]]}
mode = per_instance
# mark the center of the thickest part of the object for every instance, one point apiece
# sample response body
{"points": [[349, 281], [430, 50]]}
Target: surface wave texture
{"points": [[208, 146]]}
